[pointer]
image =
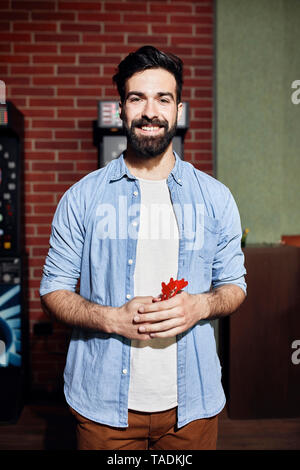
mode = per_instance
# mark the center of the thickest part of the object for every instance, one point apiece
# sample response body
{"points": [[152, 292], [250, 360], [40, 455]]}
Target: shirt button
{"points": [[179, 180], [135, 193], [128, 296], [124, 371], [134, 223], [130, 261]]}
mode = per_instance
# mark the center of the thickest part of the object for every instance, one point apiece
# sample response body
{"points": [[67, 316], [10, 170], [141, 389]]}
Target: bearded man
{"points": [[142, 372]]}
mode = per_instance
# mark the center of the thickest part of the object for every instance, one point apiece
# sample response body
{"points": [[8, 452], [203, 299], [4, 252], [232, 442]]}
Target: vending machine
{"points": [[12, 319], [109, 135]]}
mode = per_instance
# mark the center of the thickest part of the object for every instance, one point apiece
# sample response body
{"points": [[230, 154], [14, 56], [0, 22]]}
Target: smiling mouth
{"points": [[150, 130]]}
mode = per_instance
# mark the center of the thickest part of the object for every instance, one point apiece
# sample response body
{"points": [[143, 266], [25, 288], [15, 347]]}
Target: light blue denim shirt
{"points": [[94, 235]]}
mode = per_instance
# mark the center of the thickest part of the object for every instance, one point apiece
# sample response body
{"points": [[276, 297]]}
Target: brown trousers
{"points": [[147, 431]]}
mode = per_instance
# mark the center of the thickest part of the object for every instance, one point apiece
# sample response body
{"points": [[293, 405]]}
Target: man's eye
{"points": [[135, 98], [164, 100]]}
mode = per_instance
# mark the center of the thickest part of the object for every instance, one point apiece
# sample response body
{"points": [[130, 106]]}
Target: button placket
{"points": [[135, 196]]}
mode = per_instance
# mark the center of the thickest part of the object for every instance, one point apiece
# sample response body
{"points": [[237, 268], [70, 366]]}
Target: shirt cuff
{"points": [[53, 283], [237, 282]]}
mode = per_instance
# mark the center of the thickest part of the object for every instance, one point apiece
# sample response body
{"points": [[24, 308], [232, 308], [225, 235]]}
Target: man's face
{"points": [[150, 112]]}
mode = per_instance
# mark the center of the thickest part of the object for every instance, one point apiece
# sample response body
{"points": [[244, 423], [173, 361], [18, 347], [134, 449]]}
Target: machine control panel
{"points": [[11, 133], [3, 115], [108, 114], [9, 196], [10, 270]]}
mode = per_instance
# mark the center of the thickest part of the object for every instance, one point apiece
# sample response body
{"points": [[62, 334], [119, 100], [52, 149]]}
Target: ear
{"points": [[121, 110], [179, 111]]}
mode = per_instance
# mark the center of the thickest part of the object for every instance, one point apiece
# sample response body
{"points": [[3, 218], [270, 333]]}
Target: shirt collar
{"points": [[120, 169]]}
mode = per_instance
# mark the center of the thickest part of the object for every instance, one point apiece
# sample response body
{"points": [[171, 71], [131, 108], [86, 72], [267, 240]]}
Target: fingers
{"points": [[157, 316], [157, 306], [159, 327], [170, 326], [153, 317], [154, 307]]}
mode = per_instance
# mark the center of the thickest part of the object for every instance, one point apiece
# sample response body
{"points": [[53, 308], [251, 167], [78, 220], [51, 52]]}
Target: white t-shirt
{"points": [[153, 363]]}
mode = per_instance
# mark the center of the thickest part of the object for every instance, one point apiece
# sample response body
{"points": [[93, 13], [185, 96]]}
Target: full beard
{"points": [[147, 147]]}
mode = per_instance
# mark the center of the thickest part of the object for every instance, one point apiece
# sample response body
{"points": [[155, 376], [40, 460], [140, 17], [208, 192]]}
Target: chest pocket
{"points": [[210, 237], [199, 253]]}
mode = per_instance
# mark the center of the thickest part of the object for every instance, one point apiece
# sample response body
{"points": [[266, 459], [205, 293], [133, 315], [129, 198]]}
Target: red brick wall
{"points": [[57, 59]]}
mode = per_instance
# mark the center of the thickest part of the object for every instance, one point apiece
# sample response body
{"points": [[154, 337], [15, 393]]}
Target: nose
{"points": [[149, 110]]}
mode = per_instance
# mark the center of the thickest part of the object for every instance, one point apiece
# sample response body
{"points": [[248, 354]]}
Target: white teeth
{"points": [[150, 128]]}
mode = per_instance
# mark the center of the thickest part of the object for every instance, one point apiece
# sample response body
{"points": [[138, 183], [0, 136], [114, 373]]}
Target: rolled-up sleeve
{"points": [[63, 262], [228, 265]]}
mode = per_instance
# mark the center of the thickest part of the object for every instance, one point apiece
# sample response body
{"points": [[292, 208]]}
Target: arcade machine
{"points": [[12, 358], [109, 135]]}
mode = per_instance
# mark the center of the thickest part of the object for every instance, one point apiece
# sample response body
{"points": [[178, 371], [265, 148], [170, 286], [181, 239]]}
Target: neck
{"points": [[156, 168]]}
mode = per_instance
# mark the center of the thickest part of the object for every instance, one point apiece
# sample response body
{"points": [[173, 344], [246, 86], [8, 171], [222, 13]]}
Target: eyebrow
{"points": [[139, 93]]}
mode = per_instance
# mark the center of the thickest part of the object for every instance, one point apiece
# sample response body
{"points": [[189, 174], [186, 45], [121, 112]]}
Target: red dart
{"points": [[171, 289]]}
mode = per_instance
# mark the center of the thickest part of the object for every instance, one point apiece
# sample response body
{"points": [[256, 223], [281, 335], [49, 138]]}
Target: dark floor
{"points": [[48, 425]]}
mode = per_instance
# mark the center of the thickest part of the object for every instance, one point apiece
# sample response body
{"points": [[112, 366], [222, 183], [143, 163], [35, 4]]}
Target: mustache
{"points": [[144, 122]]}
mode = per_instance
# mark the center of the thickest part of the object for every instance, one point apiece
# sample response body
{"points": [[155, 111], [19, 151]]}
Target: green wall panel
{"points": [[257, 125]]}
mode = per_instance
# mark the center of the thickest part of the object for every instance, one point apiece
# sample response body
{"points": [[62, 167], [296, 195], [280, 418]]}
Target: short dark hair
{"points": [[148, 57]]}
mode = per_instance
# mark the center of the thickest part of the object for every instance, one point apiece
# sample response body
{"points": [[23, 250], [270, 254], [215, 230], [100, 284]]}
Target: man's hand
{"points": [[122, 323], [74, 310], [168, 318]]}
